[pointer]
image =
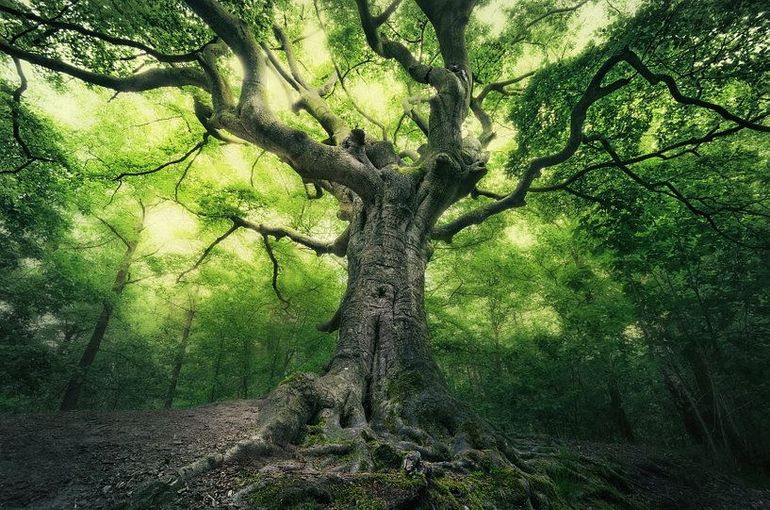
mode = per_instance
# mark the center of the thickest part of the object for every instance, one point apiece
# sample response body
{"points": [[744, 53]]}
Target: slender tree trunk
{"points": [[694, 423], [617, 411], [75, 384], [180, 356], [715, 412], [245, 368], [217, 368]]}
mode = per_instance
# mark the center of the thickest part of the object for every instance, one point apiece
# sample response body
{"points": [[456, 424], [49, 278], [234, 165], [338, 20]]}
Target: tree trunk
{"points": [[714, 410], [245, 368], [693, 421], [617, 411], [180, 355], [383, 380], [75, 384], [217, 368], [383, 359]]}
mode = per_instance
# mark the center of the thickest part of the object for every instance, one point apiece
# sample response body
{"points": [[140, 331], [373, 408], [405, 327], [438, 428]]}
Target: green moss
{"points": [[374, 491], [568, 482], [542, 484], [371, 491], [498, 488], [296, 376], [385, 456]]}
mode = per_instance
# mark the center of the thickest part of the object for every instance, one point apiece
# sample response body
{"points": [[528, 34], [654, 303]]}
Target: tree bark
{"points": [[617, 411], [179, 361], [75, 384], [245, 368], [217, 368], [383, 360]]}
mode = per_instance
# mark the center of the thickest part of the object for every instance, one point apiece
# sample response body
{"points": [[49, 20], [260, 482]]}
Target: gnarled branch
{"points": [[336, 247], [252, 120], [147, 80], [593, 93], [114, 40], [16, 123], [669, 189]]}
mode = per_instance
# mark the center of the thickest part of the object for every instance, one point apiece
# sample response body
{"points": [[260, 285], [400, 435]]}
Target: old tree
{"points": [[659, 81]]}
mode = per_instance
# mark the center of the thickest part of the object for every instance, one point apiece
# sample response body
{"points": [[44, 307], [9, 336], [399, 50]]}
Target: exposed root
{"points": [[428, 445]]}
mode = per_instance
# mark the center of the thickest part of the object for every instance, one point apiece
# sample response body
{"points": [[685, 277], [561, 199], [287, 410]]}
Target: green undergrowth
{"points": [[581, 482]]}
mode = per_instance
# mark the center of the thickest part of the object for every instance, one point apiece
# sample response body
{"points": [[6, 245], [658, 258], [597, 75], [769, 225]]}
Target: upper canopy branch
{"points": [[115, 231], [237, 35], [16, 122], [339, 76], [452, 83], [117, 41], [195, 149], [253, 121], [449, 19], [593, 93], [385, 15], [336, 247], [387, 48], [669, 189], [654, 78], [499, 86], [477, 105], [682, 147], [311, 98], [291, 59], [147, 80]]}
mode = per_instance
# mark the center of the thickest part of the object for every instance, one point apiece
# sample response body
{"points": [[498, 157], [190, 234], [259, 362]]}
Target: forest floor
{"points": [[89, 459]]}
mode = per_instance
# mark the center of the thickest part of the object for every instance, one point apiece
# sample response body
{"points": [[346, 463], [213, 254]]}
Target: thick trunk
{"points": [[383, 358], [75, 384], [383, 379], [179, 361]]}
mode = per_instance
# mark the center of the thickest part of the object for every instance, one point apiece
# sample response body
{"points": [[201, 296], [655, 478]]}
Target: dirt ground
{"points": [[89, 459]]}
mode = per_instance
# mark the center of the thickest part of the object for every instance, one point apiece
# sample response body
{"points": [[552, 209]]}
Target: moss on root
{"points": [[559, 482], [500, 489], [366, 491]]}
